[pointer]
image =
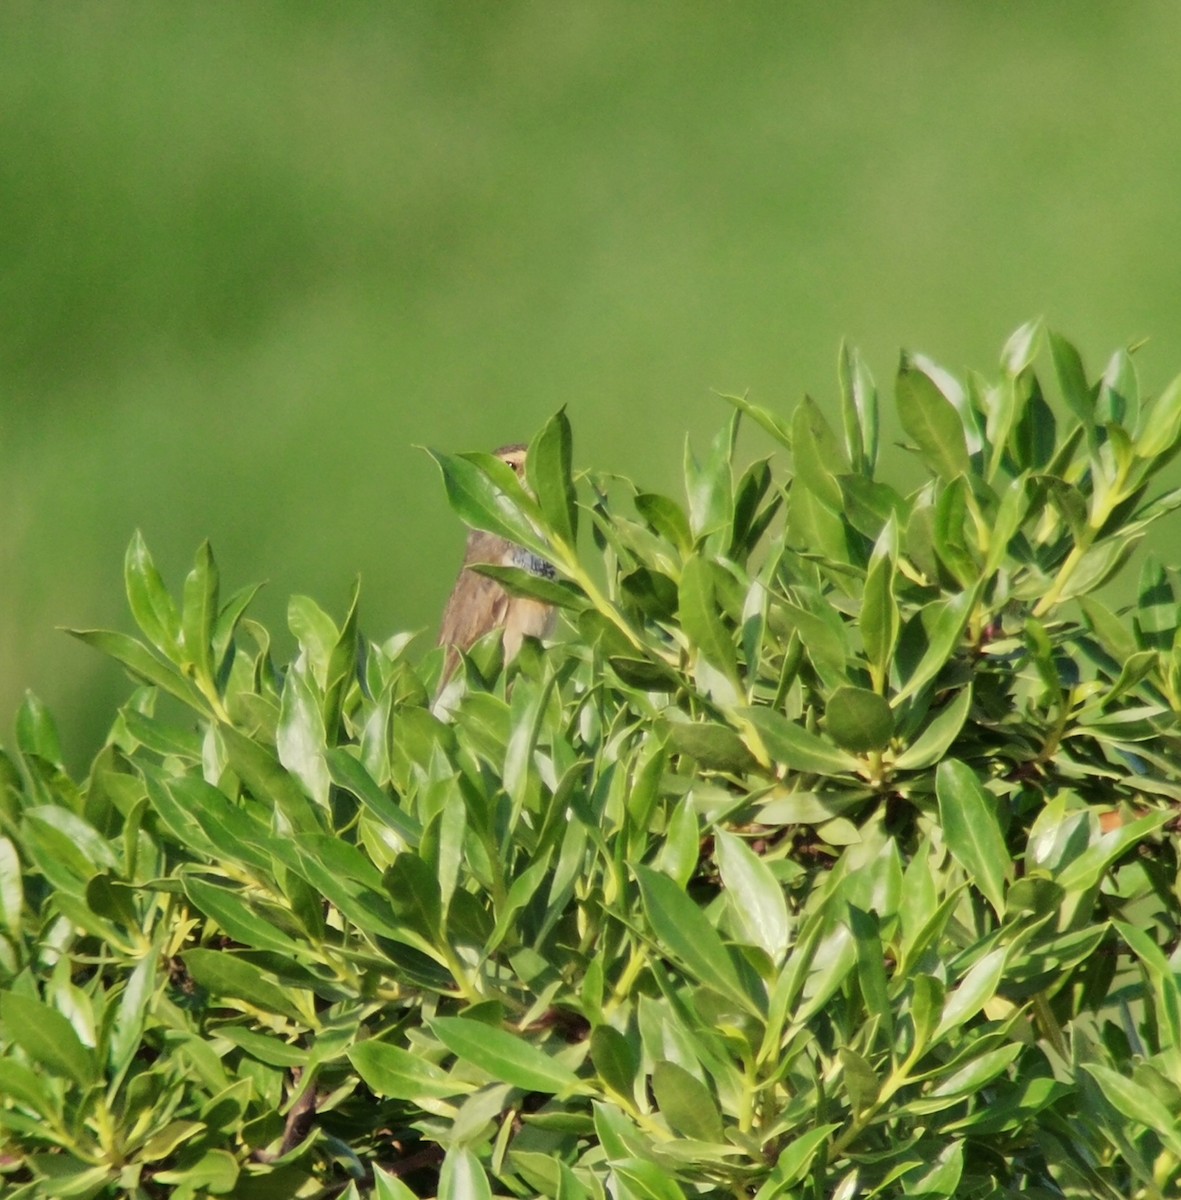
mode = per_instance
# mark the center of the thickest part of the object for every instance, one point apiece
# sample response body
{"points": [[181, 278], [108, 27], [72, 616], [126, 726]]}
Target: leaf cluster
{"points": [[831, 852]]}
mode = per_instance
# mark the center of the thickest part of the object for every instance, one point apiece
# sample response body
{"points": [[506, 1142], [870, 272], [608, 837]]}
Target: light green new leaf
{"points": [[756, 896], [505, 1057], [461, 1177], [973, 832]]}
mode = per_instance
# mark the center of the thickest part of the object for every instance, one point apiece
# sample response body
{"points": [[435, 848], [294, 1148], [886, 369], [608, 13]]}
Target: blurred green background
{"points": [[253, 254]]}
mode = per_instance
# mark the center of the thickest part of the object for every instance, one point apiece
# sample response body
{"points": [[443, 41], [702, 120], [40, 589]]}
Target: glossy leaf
{"points": [[931, 420], [503, 1056], [972, 830]]}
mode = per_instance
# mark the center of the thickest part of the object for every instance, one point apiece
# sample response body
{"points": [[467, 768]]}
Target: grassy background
{"points": [[253, 254]]}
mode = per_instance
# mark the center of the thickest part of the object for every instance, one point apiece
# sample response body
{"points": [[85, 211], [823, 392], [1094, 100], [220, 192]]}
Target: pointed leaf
{"points": [[973, 833]]}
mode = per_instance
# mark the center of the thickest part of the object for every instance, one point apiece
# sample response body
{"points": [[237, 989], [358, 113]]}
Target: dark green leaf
{"points": [[859, 720]]}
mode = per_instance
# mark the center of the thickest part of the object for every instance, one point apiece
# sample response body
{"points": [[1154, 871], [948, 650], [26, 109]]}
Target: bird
{"points": [[478, 604]]}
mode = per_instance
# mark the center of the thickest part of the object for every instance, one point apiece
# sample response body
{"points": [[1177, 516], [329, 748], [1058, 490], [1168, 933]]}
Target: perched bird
{"points": [[478, 604]]}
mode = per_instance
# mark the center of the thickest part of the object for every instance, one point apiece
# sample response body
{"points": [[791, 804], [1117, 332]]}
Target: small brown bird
{"points": [[479, 604]]}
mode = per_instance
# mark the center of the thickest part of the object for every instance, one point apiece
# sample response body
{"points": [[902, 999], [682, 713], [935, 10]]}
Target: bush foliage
{"points": [[830, 853]]}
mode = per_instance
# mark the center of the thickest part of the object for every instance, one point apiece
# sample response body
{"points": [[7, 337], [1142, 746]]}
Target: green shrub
{"points": [[830, 854]]}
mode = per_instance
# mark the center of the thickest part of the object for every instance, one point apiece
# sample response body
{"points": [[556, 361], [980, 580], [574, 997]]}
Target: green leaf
{"points": [[402, 1075], [684, 932], [485, 494], [931, 420], [968, 815], [859, 720], [709, 485], [12, 890], [505, 1057], [947, 632], [142, 664], [667, 518], [267, 780], [462, 1178], [859, 1079], [791, 745], [716, 747], [347, 772], [199, 612], [1072, 379], [548, 466], [520, 582], [47, 1037], [1161, 424], [793, 1163], [1022, 347], [970, 995], [816, 456], [24, 1086], [416, 896], [700, 619], [934, 742], [228, 976], [614, 1060], [859, 411], [1137, 1103], [300, 738], [686, 1103], [756, 895], [36, 731], [151, 605], [389, 1187], [237, 918], [773, 424]]}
